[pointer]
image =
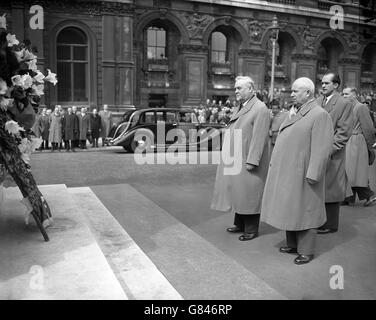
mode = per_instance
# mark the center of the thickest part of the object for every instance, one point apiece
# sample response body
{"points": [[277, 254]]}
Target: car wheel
{"points": [[142, 141]]}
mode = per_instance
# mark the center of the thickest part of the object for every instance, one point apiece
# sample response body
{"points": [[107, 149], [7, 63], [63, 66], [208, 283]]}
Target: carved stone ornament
{"points": [[308, 37], [353, 40], [304, 56], [255, 29], [196, 23], [92, 7], [192, 48], [252, 53]]}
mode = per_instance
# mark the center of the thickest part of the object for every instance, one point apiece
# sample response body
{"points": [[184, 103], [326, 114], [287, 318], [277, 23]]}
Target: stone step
{"points": [[70, 266], [136, 273], [194, 266]]}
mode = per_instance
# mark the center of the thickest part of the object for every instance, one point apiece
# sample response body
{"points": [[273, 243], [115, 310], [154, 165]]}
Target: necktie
{"points": [[324, 101]]}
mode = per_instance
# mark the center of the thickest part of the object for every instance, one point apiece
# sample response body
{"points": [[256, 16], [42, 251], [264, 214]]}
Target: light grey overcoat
{"points": [[246, 139], [301, 151]]}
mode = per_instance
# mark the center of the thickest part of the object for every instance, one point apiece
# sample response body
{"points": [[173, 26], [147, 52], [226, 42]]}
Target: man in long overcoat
{"points": [[239, 185], [44, 121], [84, 123], [340, 111], [294, 193], [55, 135], [357, 150], [76, 137], [106, 123], [71, 127]]}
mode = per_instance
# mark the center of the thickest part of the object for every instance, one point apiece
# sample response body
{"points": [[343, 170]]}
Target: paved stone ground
{"points": [[180, 225]]}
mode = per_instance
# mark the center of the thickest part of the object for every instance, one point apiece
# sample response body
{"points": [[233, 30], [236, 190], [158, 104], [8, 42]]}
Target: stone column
{"points": [[194, 75], [252, 63], [305, 66], [351, 68]]}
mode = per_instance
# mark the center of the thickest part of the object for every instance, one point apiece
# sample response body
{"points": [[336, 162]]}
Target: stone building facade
{"points": [[181, 52]]}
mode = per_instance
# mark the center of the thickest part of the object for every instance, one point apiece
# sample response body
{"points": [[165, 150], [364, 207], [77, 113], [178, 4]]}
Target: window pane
{"points": [[160, 53], [72, 35], [152, 39], [151, 53], [148, 117], [170, 117], [64, 84], [63, 52], [218, 41], [160, 117], [79, 82], [79, 53], [161, 38]]}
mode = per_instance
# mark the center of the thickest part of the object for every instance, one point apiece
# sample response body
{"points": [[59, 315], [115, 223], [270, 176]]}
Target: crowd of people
{"points": [[72, 128], [322, 147]]}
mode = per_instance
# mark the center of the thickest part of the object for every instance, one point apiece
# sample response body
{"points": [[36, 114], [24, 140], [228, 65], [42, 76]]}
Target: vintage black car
{"points": [[153, 128]]}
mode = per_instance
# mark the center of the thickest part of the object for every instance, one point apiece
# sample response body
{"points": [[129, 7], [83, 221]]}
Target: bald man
{"points": [[239, 185], [294, 194]]}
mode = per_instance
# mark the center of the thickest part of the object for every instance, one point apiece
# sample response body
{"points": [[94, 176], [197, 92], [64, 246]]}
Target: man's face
{"points": [[82, 110], [242, 91], [95, 111], [328, 86], [105, 107], [299, 94], [347, 93], [69, 110], [275, 109], [44, 110], [74, 109]]}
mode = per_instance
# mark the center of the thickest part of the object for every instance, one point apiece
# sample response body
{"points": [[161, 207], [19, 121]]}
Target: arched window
{"points": [[218, 47], [72, 65], [156, 43]]}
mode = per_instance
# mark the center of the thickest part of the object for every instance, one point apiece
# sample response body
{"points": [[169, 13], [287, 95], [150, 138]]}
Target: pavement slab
{"points": [[196, 268], [69, 266]]}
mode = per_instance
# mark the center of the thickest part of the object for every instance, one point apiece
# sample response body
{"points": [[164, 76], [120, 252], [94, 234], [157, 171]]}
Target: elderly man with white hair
{"points": [[294, 194], [240, 183]]}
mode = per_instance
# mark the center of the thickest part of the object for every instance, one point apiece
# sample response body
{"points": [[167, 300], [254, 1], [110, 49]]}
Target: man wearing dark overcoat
{"points": [[84, 123], [71, 126], [340, 110], [44, 121], [242, 171], [294, 193], [358, 151]]}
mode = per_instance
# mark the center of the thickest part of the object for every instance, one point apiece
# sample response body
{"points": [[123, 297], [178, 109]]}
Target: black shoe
{"points": [[326, 230], [370, 201], [248, 236], [73, 150], [302, 259], [345, 203], [234, 229], [288, 250]]}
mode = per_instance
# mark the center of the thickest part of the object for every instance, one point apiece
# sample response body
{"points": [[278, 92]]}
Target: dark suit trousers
{"points": [[332, 215], [304, 240], [363, 193], [249, 223]]}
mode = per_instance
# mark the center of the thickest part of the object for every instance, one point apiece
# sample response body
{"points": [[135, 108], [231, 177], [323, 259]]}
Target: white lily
{"points": [[3, 22], [27, 81], [3, 87], [51, 77], [12, 41], [39, 77], [13, 127], [32, 64], [17, 80], [28, 55], [38, 89]]}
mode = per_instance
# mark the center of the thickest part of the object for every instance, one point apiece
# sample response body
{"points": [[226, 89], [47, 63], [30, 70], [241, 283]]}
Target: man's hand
{"points": [[250, 167], [310, 181]]}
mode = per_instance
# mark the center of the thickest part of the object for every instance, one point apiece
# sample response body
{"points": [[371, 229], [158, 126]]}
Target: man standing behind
{"points": [[246, 141], [106, 122], [84, 124], [45, 128], [340, 110], [358, 150], [294, 192], [70, 129], [76, 136]]}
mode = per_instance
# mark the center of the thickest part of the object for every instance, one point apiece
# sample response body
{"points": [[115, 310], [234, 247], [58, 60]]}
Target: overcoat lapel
{"points": [[330, 105], [244, 109], [302, 112]]}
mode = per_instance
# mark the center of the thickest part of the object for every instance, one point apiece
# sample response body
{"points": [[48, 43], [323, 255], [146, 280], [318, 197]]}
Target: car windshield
{"points": [[127, 115]]}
